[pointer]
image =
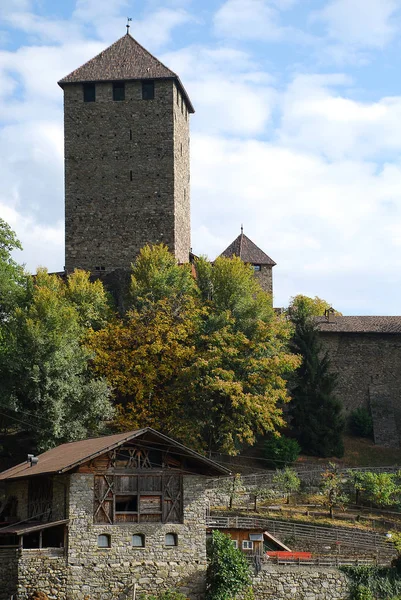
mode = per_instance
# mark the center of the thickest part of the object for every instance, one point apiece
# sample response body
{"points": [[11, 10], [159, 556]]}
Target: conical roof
{"points": [[124, 60], [248, 252]]}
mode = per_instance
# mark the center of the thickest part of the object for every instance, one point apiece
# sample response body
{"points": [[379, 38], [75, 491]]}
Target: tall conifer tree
{"points": [[316, 412]]}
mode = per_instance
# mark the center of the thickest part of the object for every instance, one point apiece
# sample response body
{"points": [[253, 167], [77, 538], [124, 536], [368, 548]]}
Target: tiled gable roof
{"points": [[124, 60], [362, 324], [66, 457], [249, 252]]}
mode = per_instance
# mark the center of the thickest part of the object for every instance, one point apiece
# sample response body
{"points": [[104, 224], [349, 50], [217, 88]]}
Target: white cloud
{"points": [[250, 19], [43, 244], [311, 216], [228, 90], [360, 23], [317, 117]]}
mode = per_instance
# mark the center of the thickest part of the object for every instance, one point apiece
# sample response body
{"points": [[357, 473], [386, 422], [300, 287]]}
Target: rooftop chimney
{"points": [[330, 315]]}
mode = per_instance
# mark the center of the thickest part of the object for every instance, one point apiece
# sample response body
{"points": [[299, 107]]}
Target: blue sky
{"points": [[297, 130]]}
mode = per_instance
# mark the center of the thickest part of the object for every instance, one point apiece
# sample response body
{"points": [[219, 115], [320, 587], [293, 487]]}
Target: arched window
{"points": [[170, 539], [138, 540], [103, 541]]}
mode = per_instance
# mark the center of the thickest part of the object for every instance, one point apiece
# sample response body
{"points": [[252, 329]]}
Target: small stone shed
{"points": [[104, 516]]}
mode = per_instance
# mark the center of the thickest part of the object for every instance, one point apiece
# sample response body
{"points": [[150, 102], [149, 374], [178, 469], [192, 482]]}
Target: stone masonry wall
{"points": [[265, 278], [124, 175], [300, 583], [8, 572], [43, 570], [182, 189], [110, 573], [363, 362]]}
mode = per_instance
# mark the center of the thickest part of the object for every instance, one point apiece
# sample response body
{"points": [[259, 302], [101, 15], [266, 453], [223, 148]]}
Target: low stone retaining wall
{"points": [[8, 572], [300, 583]]}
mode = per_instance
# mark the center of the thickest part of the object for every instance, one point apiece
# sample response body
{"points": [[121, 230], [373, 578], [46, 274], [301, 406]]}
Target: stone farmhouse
{"points": [[106, 516]]}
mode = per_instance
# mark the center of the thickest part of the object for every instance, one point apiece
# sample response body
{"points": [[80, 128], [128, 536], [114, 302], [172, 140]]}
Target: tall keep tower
{"points": [[126, 124]]}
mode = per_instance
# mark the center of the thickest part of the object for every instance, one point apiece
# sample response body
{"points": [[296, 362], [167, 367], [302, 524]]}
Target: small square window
{"points": [[103, 541], [247, 545], [234, 543], [89, 92], [170, 539], [148, 90], [138, 540], [118, 91], [257, 267]]}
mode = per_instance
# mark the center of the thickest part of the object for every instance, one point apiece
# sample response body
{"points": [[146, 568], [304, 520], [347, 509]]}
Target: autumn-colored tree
{"points": [[142, 357], [204, 359], [315, 307], [236, 385]]}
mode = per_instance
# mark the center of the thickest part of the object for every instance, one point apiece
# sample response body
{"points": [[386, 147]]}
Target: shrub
{"points": [[228, 571], [361, 423], [281, 451]]}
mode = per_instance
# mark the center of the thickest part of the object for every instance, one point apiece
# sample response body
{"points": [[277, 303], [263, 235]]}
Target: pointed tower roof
{"points": [[248, 252], [124, 60]]}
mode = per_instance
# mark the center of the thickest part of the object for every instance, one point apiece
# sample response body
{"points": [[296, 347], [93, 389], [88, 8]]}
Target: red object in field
{"points": [[282, 554]]}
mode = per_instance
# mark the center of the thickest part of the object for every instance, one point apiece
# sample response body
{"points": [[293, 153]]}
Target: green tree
{"points": [[287, 481], [233, 487], [44, 375], [382, 489], [280, 450], [332, 488], [89, 298], [316, 413], [211, 365], [228, 572], [315, 307], [13, 280], [157, 276], [262, 492]]}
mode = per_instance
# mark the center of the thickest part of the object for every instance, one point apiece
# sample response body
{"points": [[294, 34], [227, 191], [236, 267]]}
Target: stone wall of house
{"points": [[8, 572], [369, 375], [110, 573], [125, 177], [43, 570], [300, 583]]}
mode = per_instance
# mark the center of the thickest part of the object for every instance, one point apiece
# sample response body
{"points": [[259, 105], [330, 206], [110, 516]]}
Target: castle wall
{"points": [[265, 278], [366, 362], [123, 186], [182, 190]]}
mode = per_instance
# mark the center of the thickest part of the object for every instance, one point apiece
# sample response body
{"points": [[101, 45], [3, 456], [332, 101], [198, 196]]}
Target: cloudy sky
{"points": [[297, 131]]}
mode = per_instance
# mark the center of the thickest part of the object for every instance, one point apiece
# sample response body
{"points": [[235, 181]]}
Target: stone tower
{"points": [[126, 124], [249, 253]]}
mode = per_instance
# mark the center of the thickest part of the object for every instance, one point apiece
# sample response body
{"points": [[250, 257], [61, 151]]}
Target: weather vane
{"points": [[129, 19]]}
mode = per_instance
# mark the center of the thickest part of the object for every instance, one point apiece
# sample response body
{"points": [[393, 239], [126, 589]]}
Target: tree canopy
{"points": [[204, 359], [45, 380]]}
